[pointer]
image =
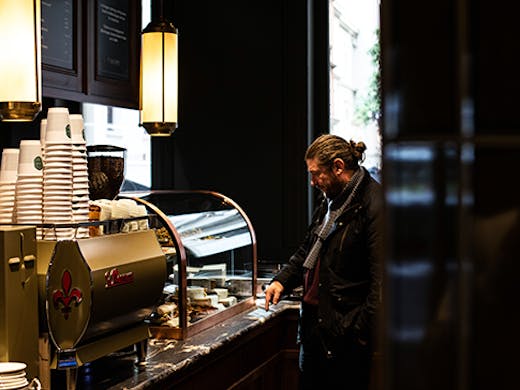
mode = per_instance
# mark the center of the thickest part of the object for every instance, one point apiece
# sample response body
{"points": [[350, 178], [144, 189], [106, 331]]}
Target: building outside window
{"points": [[353, 34]]}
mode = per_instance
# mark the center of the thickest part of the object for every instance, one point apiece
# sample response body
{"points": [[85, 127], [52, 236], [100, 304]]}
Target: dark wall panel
{"points": [[242, 113]]}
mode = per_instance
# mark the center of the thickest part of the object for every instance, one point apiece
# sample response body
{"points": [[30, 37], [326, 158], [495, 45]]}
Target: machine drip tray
{"points": [[105, 372]]}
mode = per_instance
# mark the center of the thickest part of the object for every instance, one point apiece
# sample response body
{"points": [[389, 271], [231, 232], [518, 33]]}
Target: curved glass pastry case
{"points": [[210, 247]]}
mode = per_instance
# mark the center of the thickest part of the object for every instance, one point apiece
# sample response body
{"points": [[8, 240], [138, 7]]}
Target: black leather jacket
{"points": [[350, 267]]}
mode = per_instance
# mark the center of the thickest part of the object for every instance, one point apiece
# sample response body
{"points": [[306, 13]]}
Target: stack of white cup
{"points": [[80, 192], [57, 174], [29, 184], [8, 175]]}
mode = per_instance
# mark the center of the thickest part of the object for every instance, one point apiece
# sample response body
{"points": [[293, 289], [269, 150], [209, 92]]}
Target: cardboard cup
{"points": [[77, 128], [30, 160], [58, 128], [9, 165]]}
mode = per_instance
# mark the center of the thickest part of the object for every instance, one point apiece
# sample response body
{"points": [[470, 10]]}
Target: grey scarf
{"points": [[333, 214]]}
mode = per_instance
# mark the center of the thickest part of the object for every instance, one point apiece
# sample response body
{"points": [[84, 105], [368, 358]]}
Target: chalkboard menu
{"points": [[57, 23], [112, 35], [91, 51]]}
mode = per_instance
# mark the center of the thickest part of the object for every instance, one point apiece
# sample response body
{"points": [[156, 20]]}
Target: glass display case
{"points": [[210, 247]]}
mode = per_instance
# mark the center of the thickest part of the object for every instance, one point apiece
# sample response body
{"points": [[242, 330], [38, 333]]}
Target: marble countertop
{"points": [[167, 357]]}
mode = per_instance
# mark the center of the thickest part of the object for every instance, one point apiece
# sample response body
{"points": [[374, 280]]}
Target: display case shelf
{"points": [[210, 247]]}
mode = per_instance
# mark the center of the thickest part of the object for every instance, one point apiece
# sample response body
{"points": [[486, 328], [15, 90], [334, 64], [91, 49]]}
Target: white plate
{"points": [[10, 377], [13, 382], [21, 385], [6, 367]]}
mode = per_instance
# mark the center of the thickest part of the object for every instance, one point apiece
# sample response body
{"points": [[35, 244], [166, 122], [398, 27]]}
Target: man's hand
{"points": [[272, 293]]}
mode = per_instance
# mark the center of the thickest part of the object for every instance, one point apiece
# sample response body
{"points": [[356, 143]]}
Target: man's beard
{"points": [[334, 189]]}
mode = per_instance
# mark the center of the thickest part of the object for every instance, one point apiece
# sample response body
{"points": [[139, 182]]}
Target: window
{"points": [[353, 34], [117, 126], [120, 127]]}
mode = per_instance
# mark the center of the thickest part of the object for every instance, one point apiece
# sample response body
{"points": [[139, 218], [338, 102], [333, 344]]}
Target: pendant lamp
{"points": [[159, 75], [20, 61]]}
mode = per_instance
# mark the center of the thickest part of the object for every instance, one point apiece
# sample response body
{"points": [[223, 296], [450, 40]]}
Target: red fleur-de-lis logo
{"points": [[66, 296]]}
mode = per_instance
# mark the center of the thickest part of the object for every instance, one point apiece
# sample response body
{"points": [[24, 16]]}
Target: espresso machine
{"points": [[94, 297], [65, 303]]}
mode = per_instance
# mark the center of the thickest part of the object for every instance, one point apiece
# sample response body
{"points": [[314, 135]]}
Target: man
{"points": [[339, 265]]}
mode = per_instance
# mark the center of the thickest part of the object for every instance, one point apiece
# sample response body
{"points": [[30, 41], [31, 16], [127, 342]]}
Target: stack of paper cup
{"points": [[29, 184], [8, 175], [57, 174], [80, 193]]}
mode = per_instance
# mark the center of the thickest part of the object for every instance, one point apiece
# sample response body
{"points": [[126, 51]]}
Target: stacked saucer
{"points": [[12, 375], [8, 175], [80, 192], [57, 174], [29, 184]]}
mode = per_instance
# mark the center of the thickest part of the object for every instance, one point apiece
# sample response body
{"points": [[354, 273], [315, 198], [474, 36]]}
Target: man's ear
{"points": [[338, 166]]}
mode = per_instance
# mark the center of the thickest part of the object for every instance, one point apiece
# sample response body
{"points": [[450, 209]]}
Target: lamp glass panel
{"points": [[170, 77], [153, 85], [19, 72]]}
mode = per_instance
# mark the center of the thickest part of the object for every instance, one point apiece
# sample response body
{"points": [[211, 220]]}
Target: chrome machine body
{"points": [[95, 295]]}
